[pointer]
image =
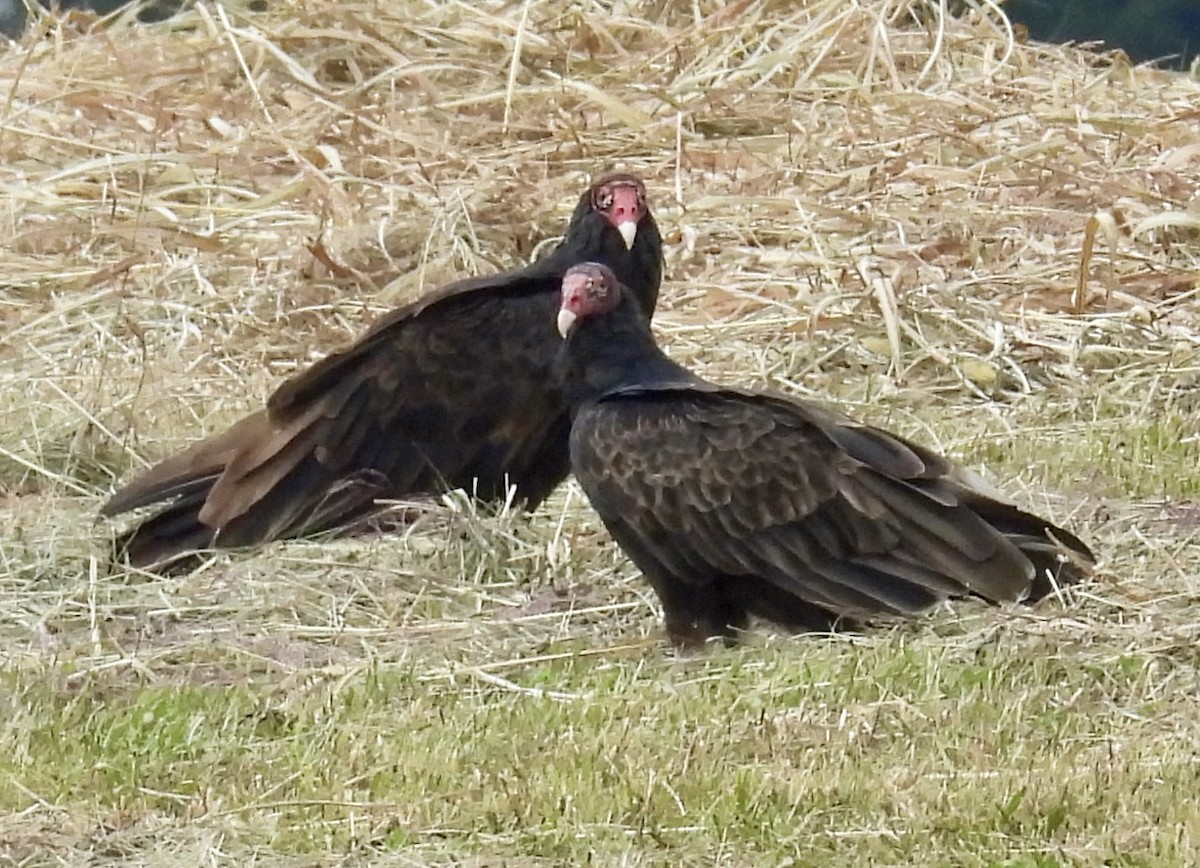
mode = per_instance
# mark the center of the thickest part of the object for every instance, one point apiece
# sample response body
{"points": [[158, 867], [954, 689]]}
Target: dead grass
{"points": [[993, 247]]}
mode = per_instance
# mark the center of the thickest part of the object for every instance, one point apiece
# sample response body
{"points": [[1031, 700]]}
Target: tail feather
{"points": [[193, 470], [168, 541], [1059, 557]]}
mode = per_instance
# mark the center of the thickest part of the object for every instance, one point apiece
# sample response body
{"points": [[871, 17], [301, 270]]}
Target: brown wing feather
{"points": [[801, 515], [406, 405], [325, 376], [201, 462], [255, 438], [418, 384]]}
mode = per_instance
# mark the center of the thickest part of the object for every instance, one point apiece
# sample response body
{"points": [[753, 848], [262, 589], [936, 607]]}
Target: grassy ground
{"points": [[990, 247]]}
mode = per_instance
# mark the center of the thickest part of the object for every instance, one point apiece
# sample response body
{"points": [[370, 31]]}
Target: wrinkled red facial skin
{"points": [[621, 201], [586, 291], [574, 294]]}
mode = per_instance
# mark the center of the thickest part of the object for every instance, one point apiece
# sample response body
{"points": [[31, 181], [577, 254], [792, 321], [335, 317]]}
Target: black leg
{"points": [[696, 613]]}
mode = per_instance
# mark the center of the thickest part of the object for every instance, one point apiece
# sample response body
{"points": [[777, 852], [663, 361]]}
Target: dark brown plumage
{"points": [[453, 391], [737, 503]]}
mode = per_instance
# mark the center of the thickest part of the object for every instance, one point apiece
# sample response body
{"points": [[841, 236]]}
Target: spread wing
{"points": [[454, 391], [750, 503], [404, 410]]}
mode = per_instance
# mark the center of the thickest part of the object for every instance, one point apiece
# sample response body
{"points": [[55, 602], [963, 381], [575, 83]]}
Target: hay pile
{"points": [[196, 209]]}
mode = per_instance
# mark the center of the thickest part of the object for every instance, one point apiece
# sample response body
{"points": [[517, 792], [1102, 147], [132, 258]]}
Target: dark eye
{"points": [[604, 200]]}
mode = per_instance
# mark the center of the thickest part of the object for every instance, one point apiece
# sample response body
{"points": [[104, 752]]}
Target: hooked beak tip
{"points": [[628, 231], [566, 319]]}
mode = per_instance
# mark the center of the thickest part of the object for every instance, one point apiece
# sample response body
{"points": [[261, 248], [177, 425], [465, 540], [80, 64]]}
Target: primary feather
{"points": [[736, 503], [455, 390]]}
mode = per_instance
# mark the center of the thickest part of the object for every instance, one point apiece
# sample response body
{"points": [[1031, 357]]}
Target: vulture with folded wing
{"points": [[455, 390], [737, 503]]}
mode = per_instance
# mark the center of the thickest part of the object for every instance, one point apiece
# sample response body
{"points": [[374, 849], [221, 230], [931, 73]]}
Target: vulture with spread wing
{"points": [[737, 503], [455, 390]]}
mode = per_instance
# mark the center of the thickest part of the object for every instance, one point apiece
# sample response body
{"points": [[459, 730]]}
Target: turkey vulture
{"points": [[455, 390], [736, 503]]}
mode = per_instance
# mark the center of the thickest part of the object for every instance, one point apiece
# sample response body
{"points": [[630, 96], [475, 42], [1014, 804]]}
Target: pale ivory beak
{"points": [[566, 319], [628, 231]]}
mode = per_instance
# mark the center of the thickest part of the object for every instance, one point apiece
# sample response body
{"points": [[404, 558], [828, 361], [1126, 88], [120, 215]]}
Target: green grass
{"points": [[994, 747], [462, 692]]}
